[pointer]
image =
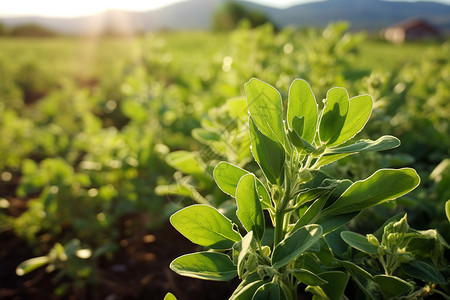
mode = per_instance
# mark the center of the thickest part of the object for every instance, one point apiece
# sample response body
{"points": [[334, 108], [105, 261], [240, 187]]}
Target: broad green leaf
{"points": [[186, 162], [334, 289], [323, 253], [295, 244], [205, 136], [249, 211], [383, 143], [310, 195], [333, 154], [227, 177], [441, 240], [392, 286], [245, 281], [360, 276], [312, 212], [173, 189], [423, 271], [265, 107], [328, 159], [247, 291], [268, 291], [383, 185], [355, 269], [234, 107], [170, 296], [205, 265], [309, 262], [268, 154], [339, 189], [298, 123], [447, 209], [333, 116], [359, 242], [336, 243], [300, 143], [245, 248], [331, 223], [205, 226], [31, 264], [266, 202], [308, 277], [302, 104], [420, 242], [268, 237], [359, 109], [247, 287], [320, 179]]}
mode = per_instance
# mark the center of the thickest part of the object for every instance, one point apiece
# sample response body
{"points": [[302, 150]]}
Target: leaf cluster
{"points": [[307, 208]]}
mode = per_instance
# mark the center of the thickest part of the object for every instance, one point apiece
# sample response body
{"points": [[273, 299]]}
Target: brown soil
{"points": [[140, 270]]}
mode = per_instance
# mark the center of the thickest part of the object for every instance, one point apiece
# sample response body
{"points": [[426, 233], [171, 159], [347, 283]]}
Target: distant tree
{"points": [[32, 30], [231, 13], [3, 29]]}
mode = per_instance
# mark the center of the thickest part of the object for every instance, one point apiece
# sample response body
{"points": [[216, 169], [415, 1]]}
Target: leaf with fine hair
{"points": [[242, 250], [268, 291], [393, 286], [295, 244], [268, 154], [359, 242], [423, 271], [248, 287], [333, 115], [308, 277], [382, 186], [385, 142], [333, 289], [205, 265], [205, 226], [249, 211], [265, 107], [227, 177], [302, 104], [359, 109], [186, 162]]}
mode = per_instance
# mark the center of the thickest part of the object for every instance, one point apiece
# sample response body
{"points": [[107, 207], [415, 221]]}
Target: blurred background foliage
{"points": [[100, 138]]}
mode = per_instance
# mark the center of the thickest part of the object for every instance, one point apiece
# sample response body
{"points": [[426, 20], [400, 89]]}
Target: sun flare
{"points": [[56, 8]]}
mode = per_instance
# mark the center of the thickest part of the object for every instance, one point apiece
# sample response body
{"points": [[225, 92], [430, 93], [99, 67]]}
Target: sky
{"points": [[58, 8]]}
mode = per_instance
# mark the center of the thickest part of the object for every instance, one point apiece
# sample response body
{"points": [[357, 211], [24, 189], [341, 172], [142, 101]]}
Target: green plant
{"points": [[71, 260], [223, 136], [396, 251], [231, 13], [307, 208]]}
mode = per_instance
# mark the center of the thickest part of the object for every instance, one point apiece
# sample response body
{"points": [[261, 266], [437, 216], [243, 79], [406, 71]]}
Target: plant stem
{"points": [[280, 211], [383, 263], [279, 217]]}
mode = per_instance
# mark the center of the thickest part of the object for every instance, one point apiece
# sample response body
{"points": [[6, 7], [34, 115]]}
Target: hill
{"points": [[197, 14]]}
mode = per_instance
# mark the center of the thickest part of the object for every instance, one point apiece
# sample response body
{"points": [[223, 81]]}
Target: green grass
{"points": [[71, 56], [384, 56], [87, 57]]}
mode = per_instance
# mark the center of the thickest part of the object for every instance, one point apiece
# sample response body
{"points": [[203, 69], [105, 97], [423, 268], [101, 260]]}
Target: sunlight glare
{"points": [[56, 8]]}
